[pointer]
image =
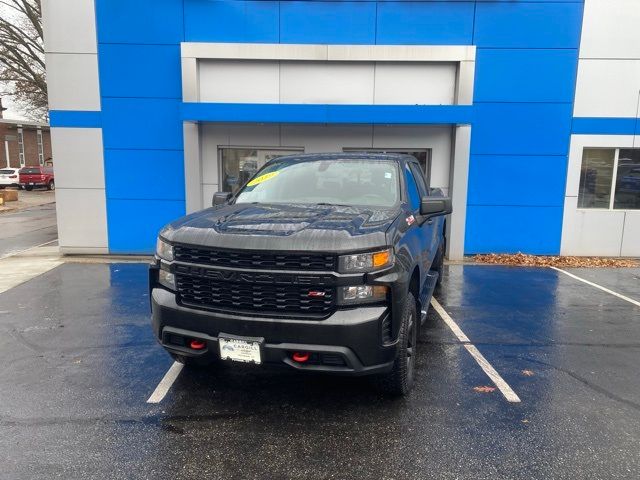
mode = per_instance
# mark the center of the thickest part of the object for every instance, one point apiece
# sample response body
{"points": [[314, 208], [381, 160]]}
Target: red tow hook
{"points": [[300, 357], [197, 344]]}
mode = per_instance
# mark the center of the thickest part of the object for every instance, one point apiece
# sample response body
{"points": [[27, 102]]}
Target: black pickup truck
{"points": [[320, 262]]}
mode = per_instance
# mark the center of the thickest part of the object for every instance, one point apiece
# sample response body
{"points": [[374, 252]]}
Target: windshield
{"points": [[6, 171], [30, 171], [335, 181]]}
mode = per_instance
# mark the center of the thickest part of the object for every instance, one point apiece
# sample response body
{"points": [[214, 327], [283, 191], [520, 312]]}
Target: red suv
{"points": [[37, 177]]}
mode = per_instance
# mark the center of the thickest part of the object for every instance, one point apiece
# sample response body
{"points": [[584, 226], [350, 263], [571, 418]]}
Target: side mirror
{"points": [[220, 197], [435, 206]]}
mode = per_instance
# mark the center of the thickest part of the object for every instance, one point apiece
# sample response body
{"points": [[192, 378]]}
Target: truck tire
{"points": [[51, 185], [399, 381], [28, 188]]}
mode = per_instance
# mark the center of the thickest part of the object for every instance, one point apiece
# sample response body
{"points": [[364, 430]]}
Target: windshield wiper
{"points": [[332, 204]]}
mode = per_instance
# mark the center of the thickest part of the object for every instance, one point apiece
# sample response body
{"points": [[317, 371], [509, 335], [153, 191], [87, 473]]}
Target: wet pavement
{"points": [[79, 361], [27, 228]]}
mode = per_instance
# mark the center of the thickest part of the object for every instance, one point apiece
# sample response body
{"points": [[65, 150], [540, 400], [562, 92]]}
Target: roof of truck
{"points": [[308, 157]]}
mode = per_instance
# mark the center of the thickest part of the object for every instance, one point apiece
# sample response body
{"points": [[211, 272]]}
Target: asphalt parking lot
{"points": [[79, 363]]}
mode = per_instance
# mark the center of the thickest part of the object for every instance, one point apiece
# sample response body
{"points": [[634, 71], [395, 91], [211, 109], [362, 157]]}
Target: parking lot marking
{"points": [[13, 254], [165, 384], [491, 372], [604, 289]]}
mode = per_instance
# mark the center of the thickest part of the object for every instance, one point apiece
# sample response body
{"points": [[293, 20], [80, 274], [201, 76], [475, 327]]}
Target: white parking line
{"points": [[604, 289], [491, 372], [13, 254], [165, 384]]}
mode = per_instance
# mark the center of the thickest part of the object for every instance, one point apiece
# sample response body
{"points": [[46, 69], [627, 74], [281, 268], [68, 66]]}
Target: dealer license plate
{"points": [[30, 183], [240, 349]]}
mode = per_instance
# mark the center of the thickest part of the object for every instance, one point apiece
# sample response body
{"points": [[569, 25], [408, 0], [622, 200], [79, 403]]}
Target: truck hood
{"points": [[284, 227]]}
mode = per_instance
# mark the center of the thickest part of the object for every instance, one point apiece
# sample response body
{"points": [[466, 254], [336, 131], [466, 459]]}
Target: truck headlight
{"points": [[164, 250], [362, 294], [365, 262]]}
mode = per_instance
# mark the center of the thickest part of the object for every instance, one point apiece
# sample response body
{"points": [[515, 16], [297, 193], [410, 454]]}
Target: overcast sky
{"points": [[11, 113]]}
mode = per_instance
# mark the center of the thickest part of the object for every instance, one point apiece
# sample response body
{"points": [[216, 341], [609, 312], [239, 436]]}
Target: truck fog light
{"points": [[167, 279], [362, 294]]}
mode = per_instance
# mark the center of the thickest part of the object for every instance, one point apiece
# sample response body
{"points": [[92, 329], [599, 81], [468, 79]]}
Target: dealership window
{"points": [[422, 155], [610, 179], [238, 165]]}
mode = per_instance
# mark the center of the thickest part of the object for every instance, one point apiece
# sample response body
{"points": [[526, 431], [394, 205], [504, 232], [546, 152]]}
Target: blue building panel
{"points": [[140, 21], [517, 180], [521, 128], [605, 126], [140, 70], [232, 21], [510, 24], [134, 224], [328, 22], [525, 75], [142, 123], [74, 119], [513, 229], [337, 114], [425, 23], [144, 174], [521, 117]]}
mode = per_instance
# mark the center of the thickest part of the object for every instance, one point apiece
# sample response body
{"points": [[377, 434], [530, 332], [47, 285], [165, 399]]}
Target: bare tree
{"points": [[22, 71]]}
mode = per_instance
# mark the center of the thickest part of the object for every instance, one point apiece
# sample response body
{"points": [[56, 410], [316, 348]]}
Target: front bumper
{"points": [[349, 342]]}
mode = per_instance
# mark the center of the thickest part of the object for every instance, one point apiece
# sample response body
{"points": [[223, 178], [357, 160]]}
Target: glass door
{"points": [[423, 156], [238, 165]]}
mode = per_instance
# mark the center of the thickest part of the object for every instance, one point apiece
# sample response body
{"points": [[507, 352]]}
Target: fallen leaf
{"points": [[528, 373], [553, 261], [484, 389], [525, 421]]}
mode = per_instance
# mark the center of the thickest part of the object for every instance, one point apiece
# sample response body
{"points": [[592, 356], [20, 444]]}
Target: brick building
{"points": [[24, 143]]}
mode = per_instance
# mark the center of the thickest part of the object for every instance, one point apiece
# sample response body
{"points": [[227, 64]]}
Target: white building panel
{"points": [[69, 26], [415, 83], [607, 88], [79, 158], [436, 138], [263, 135], [310, 82], [610, 29], [327, 82], [591, 232], [631, 235], [231, 81], [327, 138], [82, 220], [72, 81]]}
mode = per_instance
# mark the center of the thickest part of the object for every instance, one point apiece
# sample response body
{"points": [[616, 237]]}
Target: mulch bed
{"points": [[560, 262]]}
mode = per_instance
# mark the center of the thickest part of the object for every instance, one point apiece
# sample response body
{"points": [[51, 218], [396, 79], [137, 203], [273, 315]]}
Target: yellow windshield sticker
{"points": [[262, 178]]}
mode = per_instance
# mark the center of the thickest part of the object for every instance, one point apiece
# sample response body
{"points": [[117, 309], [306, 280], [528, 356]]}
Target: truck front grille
{"points": [[197, 289], [257, 260]]}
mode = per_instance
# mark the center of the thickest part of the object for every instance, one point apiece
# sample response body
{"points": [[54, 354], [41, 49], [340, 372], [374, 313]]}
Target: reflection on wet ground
{"points": [[79, 362]]}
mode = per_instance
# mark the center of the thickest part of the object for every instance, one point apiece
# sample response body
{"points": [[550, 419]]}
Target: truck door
{"points": [[422, 230], [428, 227]]}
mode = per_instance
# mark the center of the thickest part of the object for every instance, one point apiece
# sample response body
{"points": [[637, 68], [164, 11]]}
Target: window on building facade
{"points": [[238, 165], [40, 147], [610, 179], [21, 146]]}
